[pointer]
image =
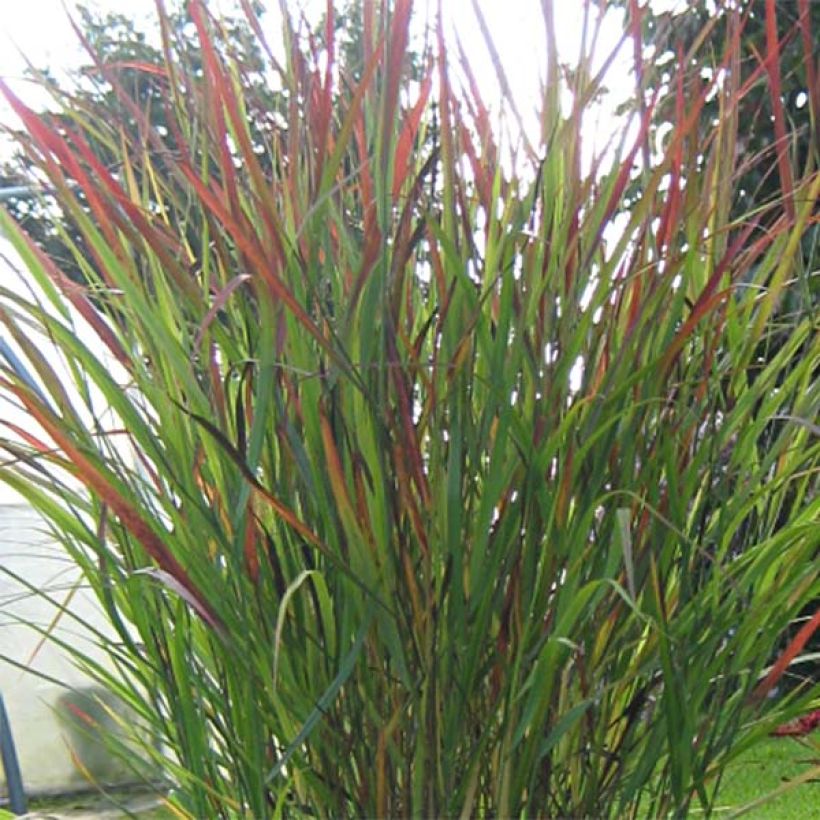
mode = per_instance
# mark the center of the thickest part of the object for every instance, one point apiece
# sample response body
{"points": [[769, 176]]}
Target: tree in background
{"points": [[700, 30], [775, 124], [116, 41]]}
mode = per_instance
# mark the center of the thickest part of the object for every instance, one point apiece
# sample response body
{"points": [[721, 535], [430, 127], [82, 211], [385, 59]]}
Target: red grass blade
{"points": [[30, 439], [709, 297], [781, 137], [396, 50], [218, 304], [789, 654], [403, 161], [671, 211], [228, 99], [89, 475], [76, 295]]}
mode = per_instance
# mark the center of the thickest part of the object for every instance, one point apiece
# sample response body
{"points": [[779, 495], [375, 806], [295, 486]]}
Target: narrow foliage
{"points": [[422, 485]]}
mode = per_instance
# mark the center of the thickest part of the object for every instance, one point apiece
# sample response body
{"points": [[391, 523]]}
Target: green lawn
{"points": [[767, 767]]}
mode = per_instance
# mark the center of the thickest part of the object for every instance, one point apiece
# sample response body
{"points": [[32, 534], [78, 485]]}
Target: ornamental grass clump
{"points": [[414, 480]]}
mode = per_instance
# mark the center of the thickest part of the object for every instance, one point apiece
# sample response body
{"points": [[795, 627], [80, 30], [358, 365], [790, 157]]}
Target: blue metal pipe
{"points": [[11, 766]]}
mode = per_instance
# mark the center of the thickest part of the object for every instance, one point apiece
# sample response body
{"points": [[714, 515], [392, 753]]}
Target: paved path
{"points": [[93, 807]]}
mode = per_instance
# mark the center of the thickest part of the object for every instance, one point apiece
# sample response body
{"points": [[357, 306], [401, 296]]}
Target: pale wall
{"points": [[42, 741]]}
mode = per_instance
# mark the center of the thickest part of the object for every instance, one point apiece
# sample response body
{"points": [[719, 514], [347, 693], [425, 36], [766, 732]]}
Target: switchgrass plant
{"points": [[426, 482]]}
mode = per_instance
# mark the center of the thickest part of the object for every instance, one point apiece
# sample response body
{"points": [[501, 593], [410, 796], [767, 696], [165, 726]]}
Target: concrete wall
{"points": [[37, 708]]}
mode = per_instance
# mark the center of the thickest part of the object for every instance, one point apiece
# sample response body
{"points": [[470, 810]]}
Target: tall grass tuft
{"points": [[425, 483]]}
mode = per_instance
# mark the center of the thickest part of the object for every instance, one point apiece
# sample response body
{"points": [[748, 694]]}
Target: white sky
{"points": [[40, 30]]}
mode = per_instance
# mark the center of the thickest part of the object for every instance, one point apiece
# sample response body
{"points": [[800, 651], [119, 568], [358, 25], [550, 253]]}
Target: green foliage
{"points": [[455, 491]]}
